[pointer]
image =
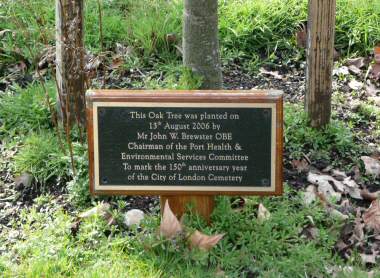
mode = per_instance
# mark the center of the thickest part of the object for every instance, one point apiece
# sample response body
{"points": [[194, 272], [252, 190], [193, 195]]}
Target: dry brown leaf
{"points": [[352, 188], [204, 242], [354, 70], [370, 196], [376, 100], [327, 185], [372, 166], [300, 165], [375, 71], [23, 181], [371, 216], [357, 62], [170, 226], [371, 90], [262, 214], [368, 258], [117, 62], [275, 74]]}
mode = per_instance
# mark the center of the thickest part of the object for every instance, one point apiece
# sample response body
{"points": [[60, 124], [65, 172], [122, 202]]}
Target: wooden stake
{"points": [[203, 204], [70, 60], [320, 53]]}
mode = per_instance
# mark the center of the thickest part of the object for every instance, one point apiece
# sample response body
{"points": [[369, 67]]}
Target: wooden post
{"points": [[70, 60], [203, 205], [320, 52]]}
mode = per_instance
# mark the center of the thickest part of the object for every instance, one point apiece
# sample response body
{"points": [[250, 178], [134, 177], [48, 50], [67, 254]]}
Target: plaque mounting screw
{"points": [[266, 113], [265, 182], [102, 112]]}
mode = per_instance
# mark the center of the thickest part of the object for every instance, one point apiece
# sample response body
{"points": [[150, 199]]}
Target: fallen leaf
{"points": [[372, 166], [370, 196], [371, 90], [376, 100], [354, 70], [371, 216], [341, 71], [204, 242], [300, 165], [375, 71], [103, 210], [355, 85], [171, 38], [23, 181], [117, 62], [352, 188], [301, 38], [338, 175], [170, 226], [122, 50], [310, 232], [368, 258], [327, 185], [3, 32], [262, 214], [357, 62], [275, 74], [336, 213], [309, 195]]}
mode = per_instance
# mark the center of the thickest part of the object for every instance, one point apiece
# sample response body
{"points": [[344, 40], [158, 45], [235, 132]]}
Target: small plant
{"points": [[41, 156], [25, 110], [323, 144]]}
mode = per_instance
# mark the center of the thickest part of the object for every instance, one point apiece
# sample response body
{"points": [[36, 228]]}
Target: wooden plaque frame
{"points": [[243, 97]]}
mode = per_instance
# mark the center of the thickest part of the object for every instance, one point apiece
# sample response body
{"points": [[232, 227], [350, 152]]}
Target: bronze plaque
{"points": [[185, 142]]}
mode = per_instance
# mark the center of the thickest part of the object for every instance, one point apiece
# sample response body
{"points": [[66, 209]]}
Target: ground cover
{"points": [[323, 226]]}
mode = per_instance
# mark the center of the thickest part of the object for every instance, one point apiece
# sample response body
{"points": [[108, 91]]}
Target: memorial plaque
{"points": [[185, 142]]}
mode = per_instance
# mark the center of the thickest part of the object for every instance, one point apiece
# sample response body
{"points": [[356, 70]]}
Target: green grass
{"points": [[41, 156], [335, 141], [25, 110], [273, 248], [251, 31]]}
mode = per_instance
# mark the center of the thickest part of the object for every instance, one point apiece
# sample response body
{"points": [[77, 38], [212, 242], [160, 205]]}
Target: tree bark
{"points": [[70, 73], [200, 41], [320, 55]]}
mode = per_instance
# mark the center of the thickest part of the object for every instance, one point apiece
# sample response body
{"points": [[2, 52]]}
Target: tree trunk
{"points": [[320, 53], [200, 53], [200, 41], [70, 61]]}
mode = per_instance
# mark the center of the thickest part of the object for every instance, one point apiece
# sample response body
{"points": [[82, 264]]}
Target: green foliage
{"points": [[149, 23], [357, 26], [78, 187], [25, 110], [333, 139], [259, 27], [42, 156], [272, 248], [177, 77]]}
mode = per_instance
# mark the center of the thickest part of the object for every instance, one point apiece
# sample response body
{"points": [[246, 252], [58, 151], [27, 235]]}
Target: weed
{"points": [[323, 144], [42, 157], [25, 110], [274, 248]]}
